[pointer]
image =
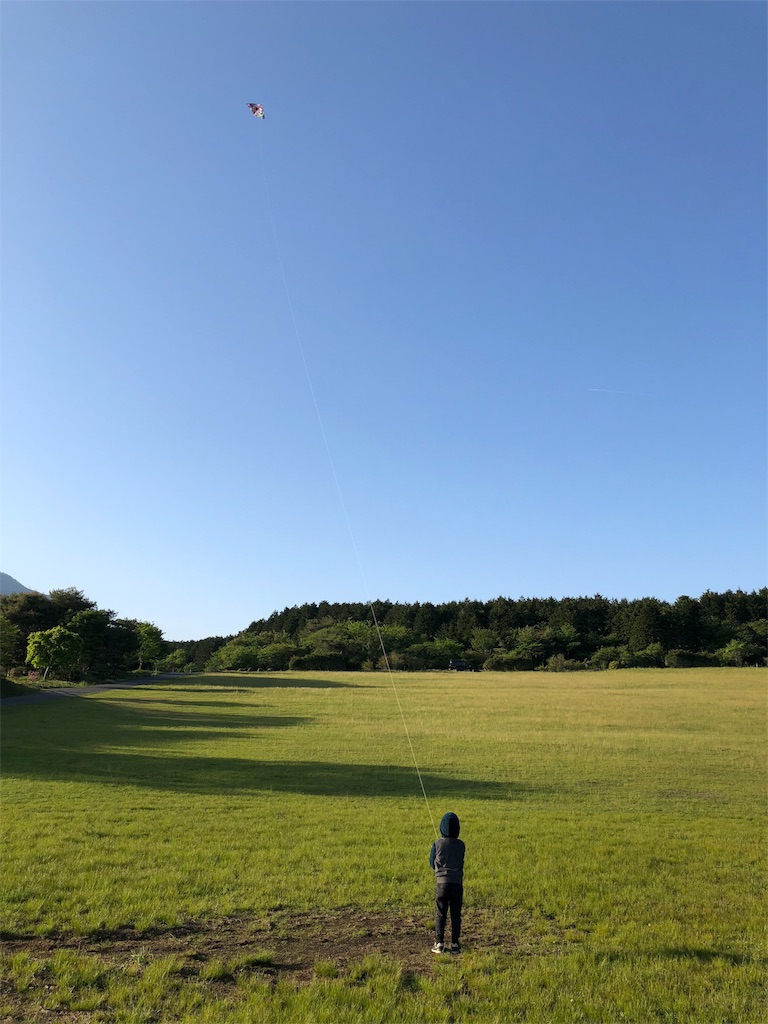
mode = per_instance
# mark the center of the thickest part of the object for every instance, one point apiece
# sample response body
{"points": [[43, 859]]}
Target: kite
{"points": [[257, 110]]}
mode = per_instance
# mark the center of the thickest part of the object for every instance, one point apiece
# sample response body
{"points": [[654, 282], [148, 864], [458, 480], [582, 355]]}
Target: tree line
{"points": [[64, 632], [548, 634]]}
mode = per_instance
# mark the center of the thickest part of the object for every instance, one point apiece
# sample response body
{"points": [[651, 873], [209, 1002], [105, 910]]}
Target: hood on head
{"points": [[449, 825]]}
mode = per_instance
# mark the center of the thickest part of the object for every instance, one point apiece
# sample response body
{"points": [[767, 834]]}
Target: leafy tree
{"points": [[500, 615], [589, 617], [325, 639], [276, 657], [722, 614], [647, 623], [566, 640], [733, 653], [109, 645], [197, 652], [213, 664], [361, 644], [316, 661], [400, 615], [754, 636], [431, 654], [56, 649], [559, 663], [686, 632], [396, 638], [426, 621], [690, 659], [150, 643], [69, 602], [10, 635], [176, 661], [465, 623], [651, 656], [740, 607], [530, 645], [32, 612], [484, 642], [91, 626], [35, 612], [604, 657], [241, 653], [509, 661]]}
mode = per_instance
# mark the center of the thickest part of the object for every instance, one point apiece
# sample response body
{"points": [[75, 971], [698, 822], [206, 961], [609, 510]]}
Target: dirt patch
{"points": [[277, 945]]}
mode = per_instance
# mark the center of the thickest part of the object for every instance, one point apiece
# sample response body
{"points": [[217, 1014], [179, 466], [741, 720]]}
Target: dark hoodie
{"points": [[447, 853]]}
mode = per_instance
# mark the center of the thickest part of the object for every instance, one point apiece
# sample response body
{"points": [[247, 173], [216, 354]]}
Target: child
{"points": [[447, 858]]}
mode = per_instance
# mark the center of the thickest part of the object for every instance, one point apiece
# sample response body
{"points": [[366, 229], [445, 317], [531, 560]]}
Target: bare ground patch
{"points": [[291, 943], [278, 946]]}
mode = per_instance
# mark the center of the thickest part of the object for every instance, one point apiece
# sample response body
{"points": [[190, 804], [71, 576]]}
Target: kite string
{"points": [[338, 486]]}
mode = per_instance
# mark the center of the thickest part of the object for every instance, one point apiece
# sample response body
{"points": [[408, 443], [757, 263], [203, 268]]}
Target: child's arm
{"points": [[432, 856]]}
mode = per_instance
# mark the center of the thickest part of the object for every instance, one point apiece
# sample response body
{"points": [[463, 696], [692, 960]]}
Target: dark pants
{"points": [[449, 895]]}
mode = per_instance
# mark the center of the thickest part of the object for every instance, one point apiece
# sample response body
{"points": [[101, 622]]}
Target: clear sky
{"points": [[525, 252]]}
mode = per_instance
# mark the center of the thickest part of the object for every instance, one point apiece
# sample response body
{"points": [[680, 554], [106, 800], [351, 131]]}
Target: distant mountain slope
{"points": [[8, 585]]}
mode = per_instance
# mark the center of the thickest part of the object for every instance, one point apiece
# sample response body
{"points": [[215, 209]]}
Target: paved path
{"points": [[78, 691]]}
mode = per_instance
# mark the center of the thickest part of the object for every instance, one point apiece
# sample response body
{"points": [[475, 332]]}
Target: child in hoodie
{"points": [[447, 859]]}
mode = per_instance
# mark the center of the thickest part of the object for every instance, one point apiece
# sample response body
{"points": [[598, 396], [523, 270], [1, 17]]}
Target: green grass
{"points": [[10, 688], [615, 830]]}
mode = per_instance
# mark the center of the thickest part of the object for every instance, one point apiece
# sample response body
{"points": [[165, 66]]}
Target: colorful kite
{"points": [[256, 109]]}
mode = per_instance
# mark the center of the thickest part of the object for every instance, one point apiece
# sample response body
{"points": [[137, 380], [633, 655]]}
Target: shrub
{"points": [[651, 656], [605, 657], [318, 662], [679, 658], [732, 654], [275, 657], [509, 661], [430, 654], [559, 663]]}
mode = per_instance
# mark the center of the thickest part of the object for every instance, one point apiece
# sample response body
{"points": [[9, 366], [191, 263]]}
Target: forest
{"points": [[66, 634]]}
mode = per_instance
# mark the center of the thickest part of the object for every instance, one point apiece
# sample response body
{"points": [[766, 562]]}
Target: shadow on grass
{"points": [[231, 775], [212, 684], [707, 956], [704, 956], [185, 705], [127, 744], [162, 731], [123, 742], [144, 720], [131, 725], [126, 721]]}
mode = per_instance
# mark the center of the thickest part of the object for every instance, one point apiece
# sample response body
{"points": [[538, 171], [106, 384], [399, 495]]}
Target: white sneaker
{"points": [[438, 947]]}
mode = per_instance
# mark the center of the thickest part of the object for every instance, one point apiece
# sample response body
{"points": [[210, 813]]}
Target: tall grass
{"points": [[615, 830]]}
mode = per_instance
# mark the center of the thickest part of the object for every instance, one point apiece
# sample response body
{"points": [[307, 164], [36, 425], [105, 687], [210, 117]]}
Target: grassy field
{"points": [[254, 848]]}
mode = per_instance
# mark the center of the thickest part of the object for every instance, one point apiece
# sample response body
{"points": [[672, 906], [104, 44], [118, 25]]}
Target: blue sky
{"points": [[525, 253]]}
